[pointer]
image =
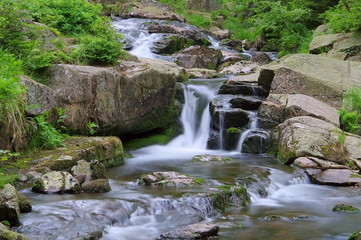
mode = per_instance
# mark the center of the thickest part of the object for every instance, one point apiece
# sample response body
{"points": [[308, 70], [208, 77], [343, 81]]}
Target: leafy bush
{"points": [[344, 17], [44, 134], [68, 16], [350, 113]]}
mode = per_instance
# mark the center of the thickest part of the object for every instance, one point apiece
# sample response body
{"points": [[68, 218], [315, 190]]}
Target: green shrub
{"points": [[44, 134], [350, 113], [344, 17], [68, 16]]}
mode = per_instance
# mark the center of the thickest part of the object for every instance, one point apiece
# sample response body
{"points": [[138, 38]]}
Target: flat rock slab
{"points": [[313, 162], [167, 178], [196, 231], [211, 158], [337, 177]]}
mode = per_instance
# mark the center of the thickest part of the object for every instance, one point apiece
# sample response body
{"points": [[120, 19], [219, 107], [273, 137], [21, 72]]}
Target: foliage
{"points": [[44, 134], [350, 113], [344, 17], [68, 16], [92, 126]]}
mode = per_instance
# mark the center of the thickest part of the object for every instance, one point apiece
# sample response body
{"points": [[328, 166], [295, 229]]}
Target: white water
{"points": [[253, 124]]}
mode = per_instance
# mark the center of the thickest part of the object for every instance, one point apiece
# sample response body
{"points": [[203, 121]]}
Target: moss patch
{"points": [[345, 208], [225, 198]]}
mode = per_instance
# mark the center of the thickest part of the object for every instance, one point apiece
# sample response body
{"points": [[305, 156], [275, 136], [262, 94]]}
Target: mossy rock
{"points": [[96, 186], [24, 203], [6, 234], [107, 150], [345, 208], [230, 196], [356, 235], [169, 179]]}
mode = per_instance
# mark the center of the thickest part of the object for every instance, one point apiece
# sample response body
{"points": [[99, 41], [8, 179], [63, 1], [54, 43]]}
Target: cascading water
{"points": [[253, 124], [134, 212]]}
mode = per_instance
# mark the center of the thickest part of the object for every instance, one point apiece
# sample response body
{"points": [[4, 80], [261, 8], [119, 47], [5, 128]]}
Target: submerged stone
{"points": [[211, 158], [198, 231], [169, 179]]}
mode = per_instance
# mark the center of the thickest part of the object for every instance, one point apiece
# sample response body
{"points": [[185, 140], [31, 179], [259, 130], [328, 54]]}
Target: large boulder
{"points": [[9, 205], [279, 107], [146, 9], [195, 231], [191, 36], [308, 136], [56, 182], [107, 150], [199, 57], [170, 43], [324, 43], [134, 97], [323, 78]]}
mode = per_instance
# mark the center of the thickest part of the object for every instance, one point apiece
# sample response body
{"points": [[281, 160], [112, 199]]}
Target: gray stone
{"points": [[211, 158], [56, 182], [199, 57], [82, 168], [96, 186], [240, 67], [337, 177], [323, 78], [324, 43], [167, 178], [196, 231], [261, 58]]}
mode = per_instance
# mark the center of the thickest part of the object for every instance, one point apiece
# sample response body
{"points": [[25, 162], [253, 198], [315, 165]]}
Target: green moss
{"points": [[199, 181], [189, 43], [233, 130], [75, 189], [5, 179], [38, 186], [355, 236], [98, 171], [206, 42], [5, 223], [344, 208], [222, 200], [161, 138]]}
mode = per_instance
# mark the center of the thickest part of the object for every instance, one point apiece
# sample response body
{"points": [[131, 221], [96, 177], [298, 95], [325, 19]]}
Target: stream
{"points": [[284, 205]]}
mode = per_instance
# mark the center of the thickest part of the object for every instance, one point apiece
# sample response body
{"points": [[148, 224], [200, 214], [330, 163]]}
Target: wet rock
{"points": [[356, 235], [9, 205], [192, 36], [210, 158], [323, 78], [98, 170], [255, 142], [234, 117], [345, 208], [273, 217], [199, 57], [170, 44], [24, 203], [238, 67], [96, 186], [243, 89], [6, 234], [230, 57], [227, 196], [261, 58], [235, 44], [168, 179], [337, 177], [279, 107], [196, 231], [56, 182], [246, 103], [231, 138]]}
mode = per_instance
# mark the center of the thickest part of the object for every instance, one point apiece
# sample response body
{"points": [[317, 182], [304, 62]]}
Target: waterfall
{"points": [[253, 124], [195, 117]]}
